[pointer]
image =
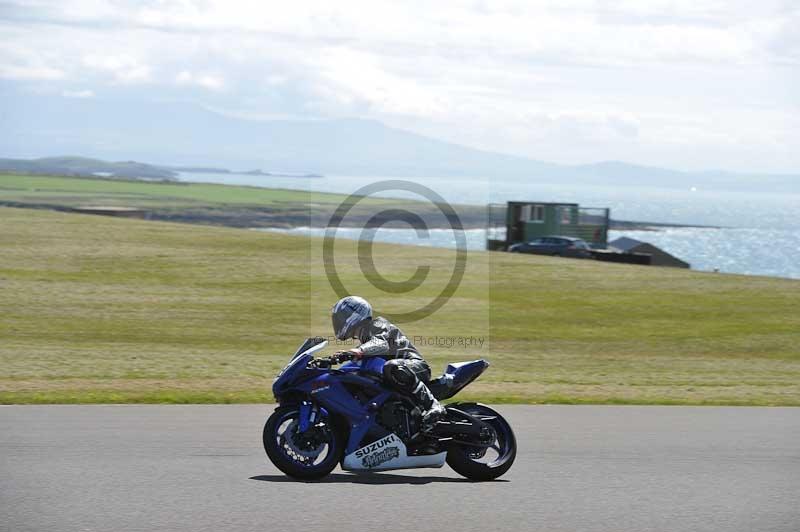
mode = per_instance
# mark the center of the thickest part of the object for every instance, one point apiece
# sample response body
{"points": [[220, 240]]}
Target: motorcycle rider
{"points": [[405, 369]]}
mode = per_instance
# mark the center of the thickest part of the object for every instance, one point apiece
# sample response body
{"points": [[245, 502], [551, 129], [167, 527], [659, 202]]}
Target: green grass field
{"points": [[148, 193], [99, 309], [213, 204]]}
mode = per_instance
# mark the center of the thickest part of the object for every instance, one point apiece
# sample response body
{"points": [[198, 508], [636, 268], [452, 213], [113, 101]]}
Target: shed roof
{"points": [[625, 243], [556, 203], [660, 257]]}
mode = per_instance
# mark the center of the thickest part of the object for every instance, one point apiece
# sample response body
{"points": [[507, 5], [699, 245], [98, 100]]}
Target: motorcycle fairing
{"points": [[456, 377], [389, 452], [297, 365], [328, 390]]}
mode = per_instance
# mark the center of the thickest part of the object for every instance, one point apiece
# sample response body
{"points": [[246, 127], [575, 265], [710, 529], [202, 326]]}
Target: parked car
{"points": [[560, 246]]}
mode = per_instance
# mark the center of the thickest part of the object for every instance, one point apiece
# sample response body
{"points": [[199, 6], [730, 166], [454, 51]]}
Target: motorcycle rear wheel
{"points": [[466, 460]]}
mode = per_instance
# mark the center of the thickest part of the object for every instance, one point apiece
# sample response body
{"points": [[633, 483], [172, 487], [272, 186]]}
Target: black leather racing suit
{"points": [[405, 369]]}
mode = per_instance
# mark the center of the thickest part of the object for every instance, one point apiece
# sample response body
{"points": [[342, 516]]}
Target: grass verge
{"points": [[98, 309]]}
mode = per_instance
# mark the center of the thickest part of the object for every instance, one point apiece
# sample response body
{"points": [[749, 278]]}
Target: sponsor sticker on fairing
{"points": [[380, 457], [378, 452]]}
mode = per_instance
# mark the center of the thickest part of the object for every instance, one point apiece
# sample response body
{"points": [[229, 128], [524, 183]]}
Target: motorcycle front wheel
{"points": [[485, 463], [308, 455]]}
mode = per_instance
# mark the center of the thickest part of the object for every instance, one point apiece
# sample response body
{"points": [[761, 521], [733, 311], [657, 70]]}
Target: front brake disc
{"points": [[294, 443]]}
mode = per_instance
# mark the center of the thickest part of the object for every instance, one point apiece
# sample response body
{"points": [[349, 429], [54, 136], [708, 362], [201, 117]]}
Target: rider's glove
{"points": [[321, 363], [341, 356]]}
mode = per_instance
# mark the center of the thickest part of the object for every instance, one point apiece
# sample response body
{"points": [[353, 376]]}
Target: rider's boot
{"points": [[434, 411]]}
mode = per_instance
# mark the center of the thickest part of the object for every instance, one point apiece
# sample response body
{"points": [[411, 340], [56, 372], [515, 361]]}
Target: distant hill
{"points": [[84, 166], [87, 167], [186, 135]]}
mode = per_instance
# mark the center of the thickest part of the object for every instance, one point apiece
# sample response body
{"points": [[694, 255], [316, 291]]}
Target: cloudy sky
{"points": [[687, 84]]}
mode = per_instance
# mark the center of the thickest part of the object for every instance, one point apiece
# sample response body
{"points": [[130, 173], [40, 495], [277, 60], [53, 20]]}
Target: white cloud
{"points": [[30, 73], [85, 93], [584, 32], [19, 62], [122, 68], [360, 77], [207, 81], [568, 80]]}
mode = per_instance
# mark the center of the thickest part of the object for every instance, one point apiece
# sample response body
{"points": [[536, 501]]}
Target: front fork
{"points": [[309, 415]]}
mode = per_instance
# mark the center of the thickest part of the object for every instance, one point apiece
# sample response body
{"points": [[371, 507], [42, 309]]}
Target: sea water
{"points": [[757, 232]]}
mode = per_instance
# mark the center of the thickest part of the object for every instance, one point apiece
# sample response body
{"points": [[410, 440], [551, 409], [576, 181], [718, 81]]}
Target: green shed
{"points": [[523, 221]]}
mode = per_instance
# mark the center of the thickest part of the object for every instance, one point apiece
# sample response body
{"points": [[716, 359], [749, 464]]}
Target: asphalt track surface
{"points": [[579, 468]]}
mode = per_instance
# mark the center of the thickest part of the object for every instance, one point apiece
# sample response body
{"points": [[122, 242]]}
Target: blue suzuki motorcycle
{"points": [[328, 416]]}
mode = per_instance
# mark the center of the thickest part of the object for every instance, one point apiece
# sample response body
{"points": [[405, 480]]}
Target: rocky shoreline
{"points": [[471, 217]]}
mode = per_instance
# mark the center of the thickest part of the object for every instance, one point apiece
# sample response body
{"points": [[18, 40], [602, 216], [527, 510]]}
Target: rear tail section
{"points": [[456, 377]]}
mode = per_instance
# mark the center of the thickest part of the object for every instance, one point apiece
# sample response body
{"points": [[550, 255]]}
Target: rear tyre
{"points": [[481, 463], [306, 456]]}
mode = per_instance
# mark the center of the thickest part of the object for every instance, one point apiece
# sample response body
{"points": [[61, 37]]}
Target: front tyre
{"points": [[485, 463], [307, 456]]}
